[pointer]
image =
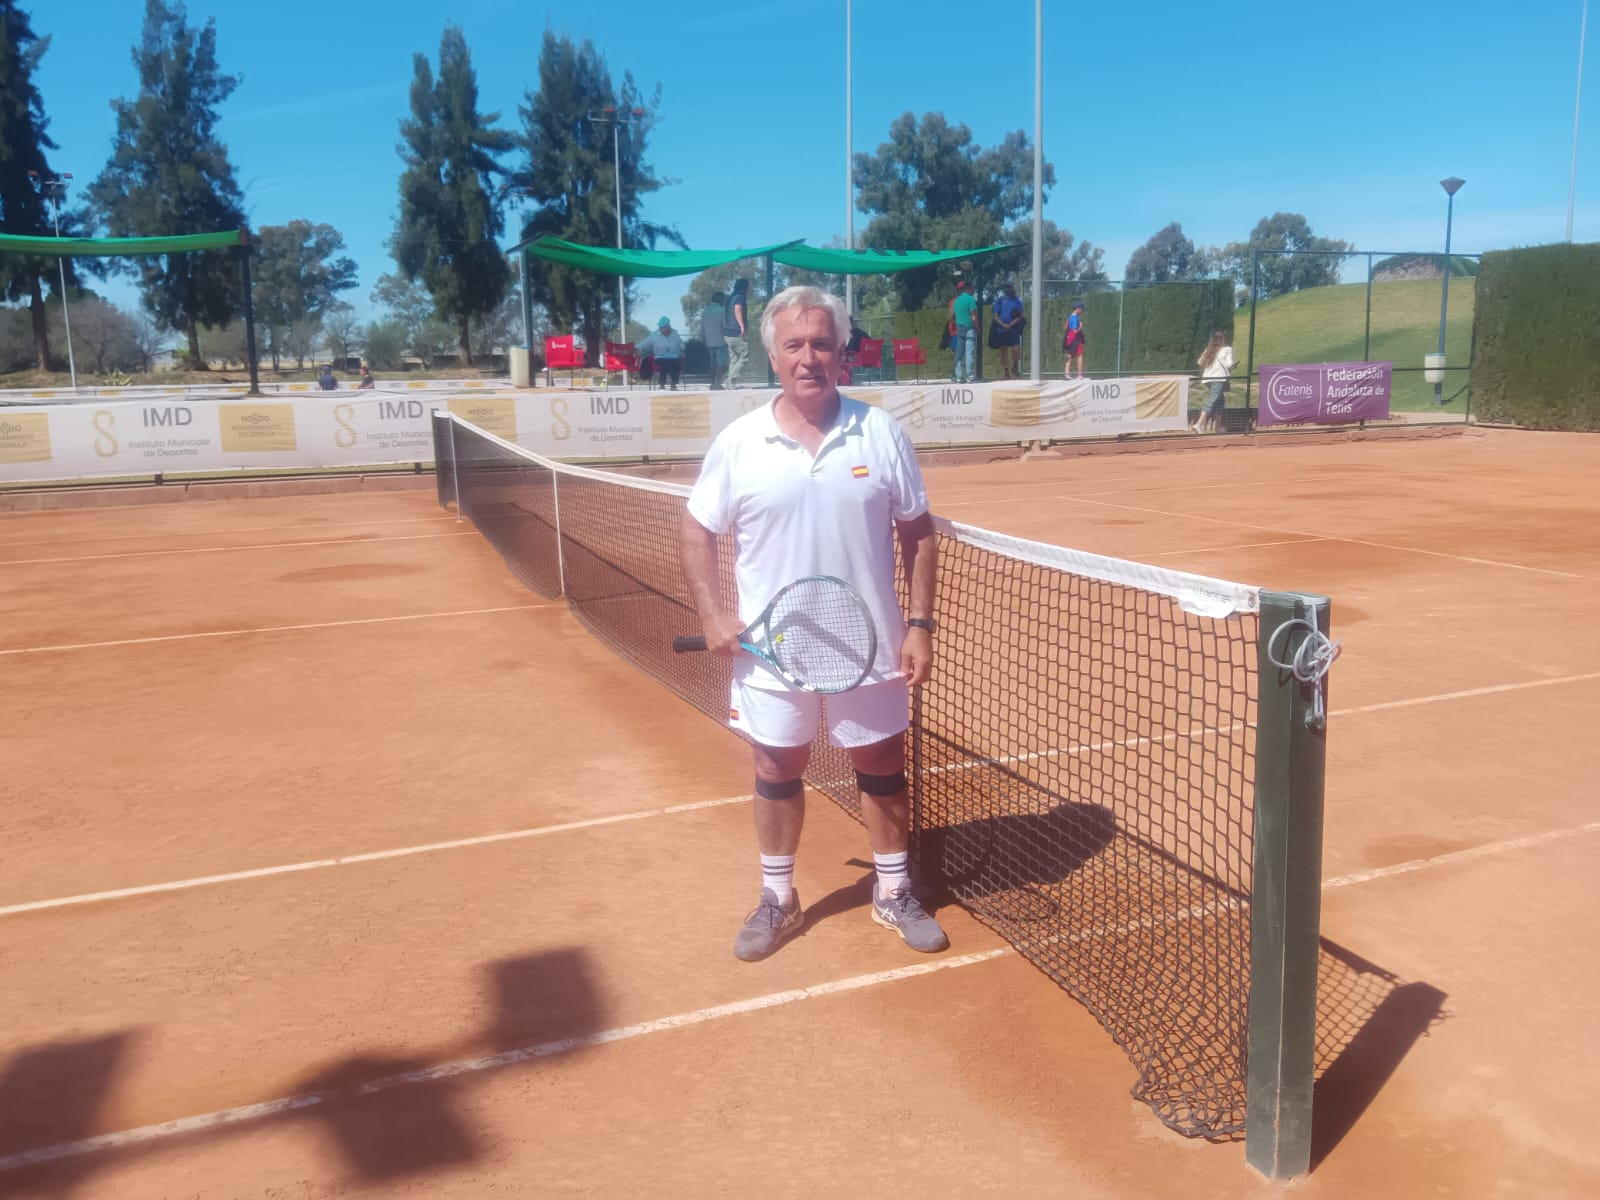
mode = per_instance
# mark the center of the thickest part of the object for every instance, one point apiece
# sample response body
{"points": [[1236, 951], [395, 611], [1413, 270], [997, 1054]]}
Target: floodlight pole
{"points": [[1034, 339], [1577, 109], [850, 175], [54, 189], [610, 113], [1451, 187]]}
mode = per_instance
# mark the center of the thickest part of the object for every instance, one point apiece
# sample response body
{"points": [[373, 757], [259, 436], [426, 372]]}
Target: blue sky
{"points": [[1209, 115]]}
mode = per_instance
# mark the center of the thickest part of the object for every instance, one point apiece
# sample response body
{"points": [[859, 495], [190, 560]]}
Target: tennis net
{"points": [[1082, 762]]}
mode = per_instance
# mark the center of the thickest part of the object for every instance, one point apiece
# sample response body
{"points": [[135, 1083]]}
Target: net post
{"points": [[455, 469], [561, 546], [1286, 906]]}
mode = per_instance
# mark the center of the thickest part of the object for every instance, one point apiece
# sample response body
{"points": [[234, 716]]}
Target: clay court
{"points": [[333, 861]]}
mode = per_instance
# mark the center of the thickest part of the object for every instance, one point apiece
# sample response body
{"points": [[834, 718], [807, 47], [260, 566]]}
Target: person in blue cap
{"points": [[666, 347]]}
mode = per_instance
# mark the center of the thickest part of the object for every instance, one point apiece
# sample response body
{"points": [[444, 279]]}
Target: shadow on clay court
{"points": [[1368, 1020], [54, 1093], [388, 1117]]}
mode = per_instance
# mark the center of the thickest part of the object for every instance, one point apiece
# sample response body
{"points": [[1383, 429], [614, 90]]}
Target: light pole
{"points": [[55, 189], [1451, 186], [850, 175], [1577, 107], [1035, 341], [609, 114]]}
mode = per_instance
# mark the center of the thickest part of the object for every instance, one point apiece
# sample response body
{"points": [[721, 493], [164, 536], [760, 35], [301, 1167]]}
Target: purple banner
{"points": [[1323, 393]]}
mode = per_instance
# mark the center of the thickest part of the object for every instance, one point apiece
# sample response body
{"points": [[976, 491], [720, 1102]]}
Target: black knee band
{"points": [[881, 785], [788, 789]]}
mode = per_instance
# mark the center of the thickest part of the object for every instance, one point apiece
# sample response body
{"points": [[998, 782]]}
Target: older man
{"points": [[815, 483], [666, 348]]}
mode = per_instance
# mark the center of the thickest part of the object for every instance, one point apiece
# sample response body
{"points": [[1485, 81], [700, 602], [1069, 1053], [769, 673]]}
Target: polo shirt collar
{"points": [[848, 421]]}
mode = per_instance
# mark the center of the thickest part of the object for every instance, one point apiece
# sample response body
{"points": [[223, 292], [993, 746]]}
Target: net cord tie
{"points": [[1310, 664]]}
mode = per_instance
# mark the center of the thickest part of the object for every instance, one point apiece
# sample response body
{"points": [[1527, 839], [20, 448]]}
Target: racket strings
{"points": [[821, 632]]}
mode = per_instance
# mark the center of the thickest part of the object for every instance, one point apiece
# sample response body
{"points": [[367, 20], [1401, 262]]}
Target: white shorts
{"points": [[864, 715]]}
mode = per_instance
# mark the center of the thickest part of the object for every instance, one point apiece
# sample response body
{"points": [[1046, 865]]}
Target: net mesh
{"points": [[1082, 762]]}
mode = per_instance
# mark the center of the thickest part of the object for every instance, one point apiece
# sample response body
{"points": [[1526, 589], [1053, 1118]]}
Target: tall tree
{"points": [[1071, 267], [450, 223], [298, 275], [1166, 257], [931, 187], [169, 174], [342, 331], [1280, 274], [409, 307], [24, 172], [570, 174]]}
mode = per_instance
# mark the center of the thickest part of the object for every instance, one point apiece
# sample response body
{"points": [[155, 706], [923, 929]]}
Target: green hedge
{"points": [[1536, 337], [1164, 328]]}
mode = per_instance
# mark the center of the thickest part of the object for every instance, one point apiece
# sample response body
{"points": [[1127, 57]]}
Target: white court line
{"points": [[1485, 562], [222, 633], [371, 856], [157, 535], [344, 541], [1470, 692], [270, 1108], [542, 830], [222, 1118], [979, 501], [1294, 541]]}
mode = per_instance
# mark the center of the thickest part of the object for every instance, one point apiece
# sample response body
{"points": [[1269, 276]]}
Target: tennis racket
{"points": [[817, 633]]}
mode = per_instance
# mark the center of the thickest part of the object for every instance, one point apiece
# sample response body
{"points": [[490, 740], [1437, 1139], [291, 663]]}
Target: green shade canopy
{"points": [[872, 262], [641, 264], [661, 264], [119, 247]]}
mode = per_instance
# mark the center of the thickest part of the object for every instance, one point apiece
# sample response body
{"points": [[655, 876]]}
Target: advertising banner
{"points": [[1324, 393], [172, 433]]}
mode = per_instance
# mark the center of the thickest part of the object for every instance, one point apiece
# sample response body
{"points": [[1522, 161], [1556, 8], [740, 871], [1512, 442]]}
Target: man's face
{"points": [[806, 356]]}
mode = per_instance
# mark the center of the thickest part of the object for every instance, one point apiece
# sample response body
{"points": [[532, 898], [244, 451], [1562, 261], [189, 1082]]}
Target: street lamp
{"points": [[850, 171], [1577, 109], [1451, 186], [55, 189], [634, 117]]}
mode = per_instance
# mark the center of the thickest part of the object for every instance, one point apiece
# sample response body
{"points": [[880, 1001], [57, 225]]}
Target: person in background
{"points": [[711, 325], [326, 381], [1072, 343], [666, 347], [1005, 335], [1216, 364], [367, 381], [964, 333], [735, 330]]}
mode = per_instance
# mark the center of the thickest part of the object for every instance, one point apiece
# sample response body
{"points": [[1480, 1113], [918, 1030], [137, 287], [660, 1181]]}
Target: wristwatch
{"points": [[927, 623]]}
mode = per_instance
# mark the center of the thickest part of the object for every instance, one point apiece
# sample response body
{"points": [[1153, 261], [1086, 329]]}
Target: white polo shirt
{"points": [[793, 515]]}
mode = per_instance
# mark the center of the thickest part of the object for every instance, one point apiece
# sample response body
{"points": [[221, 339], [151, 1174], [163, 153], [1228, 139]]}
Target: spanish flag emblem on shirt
{"points": [[859, 472]]}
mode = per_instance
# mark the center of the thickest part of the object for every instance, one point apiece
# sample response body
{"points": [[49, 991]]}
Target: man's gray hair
{"points": [[804, 299]]}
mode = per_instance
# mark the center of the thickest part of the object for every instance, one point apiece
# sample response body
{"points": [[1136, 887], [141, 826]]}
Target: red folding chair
{"points": [[869, 356], [908, 352], [844, 374], [561, 354], [621, 356]]}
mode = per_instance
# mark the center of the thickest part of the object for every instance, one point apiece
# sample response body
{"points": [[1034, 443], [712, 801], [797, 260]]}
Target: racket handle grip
{"points": [[682, 644]]}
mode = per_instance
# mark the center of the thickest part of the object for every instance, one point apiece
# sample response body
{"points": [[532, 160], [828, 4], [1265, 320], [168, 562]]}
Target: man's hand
{"points": [[722, 632], [916, 657]]}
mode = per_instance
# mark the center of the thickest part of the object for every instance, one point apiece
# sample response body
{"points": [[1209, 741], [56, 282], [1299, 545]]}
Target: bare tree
{"points": [[342, 330], [148, 340], [301, 339], [105, 332]]}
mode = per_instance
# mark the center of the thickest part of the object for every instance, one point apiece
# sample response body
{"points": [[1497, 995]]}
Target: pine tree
{"points": [[571, 175], [169, 174], [24, 209], [450, 224]]}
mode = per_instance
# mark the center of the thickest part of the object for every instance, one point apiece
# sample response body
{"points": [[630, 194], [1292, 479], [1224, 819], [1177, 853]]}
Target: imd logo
{"points": [[171, 416], [560, 427], [345, 437], [399, 410], [105, 442]]}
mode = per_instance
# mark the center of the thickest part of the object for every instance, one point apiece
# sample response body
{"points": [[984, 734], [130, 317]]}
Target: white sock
{"points": [[777, 875], [892, 872]]}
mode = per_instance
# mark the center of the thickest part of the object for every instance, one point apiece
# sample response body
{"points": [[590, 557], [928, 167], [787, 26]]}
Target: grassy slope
{"points": [[1327, 325]]}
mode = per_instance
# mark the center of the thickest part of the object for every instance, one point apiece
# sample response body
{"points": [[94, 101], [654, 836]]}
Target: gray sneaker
{"points": [[768, 926], [904, 913]]}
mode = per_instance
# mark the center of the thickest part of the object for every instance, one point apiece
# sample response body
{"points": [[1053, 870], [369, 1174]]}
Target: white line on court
{"points": [[1294, 541], [619, 818], [270, 1108], [1485, 562], [223, 633], [242, 1114], [371, 856], [344, 541], [158, 534]]}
